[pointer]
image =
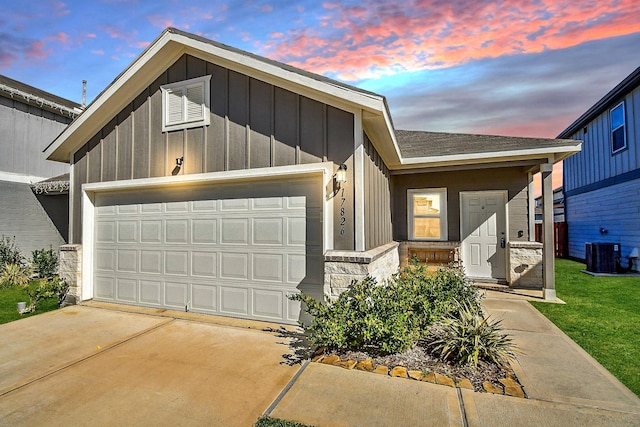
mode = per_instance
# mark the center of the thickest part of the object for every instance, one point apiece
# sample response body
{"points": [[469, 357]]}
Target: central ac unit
{"points": [[601, 257]]}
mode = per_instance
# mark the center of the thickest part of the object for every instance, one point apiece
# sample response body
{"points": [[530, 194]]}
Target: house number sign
{"points": [[343, 219]]}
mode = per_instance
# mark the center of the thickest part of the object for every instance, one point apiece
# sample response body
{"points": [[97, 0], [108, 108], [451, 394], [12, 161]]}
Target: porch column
{"points": [[548, 246]]}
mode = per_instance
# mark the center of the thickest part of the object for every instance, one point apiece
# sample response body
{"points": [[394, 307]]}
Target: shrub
{"points": [[9, 252], [365, 317], [468, 338], [391, 317], [44, 262], [49, 288], [15, 275]]}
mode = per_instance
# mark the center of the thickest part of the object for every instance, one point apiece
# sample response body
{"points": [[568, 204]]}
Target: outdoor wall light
{"points": [[341, 174], [179, 162]]}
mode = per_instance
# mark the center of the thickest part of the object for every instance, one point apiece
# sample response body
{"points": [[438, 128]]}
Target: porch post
{"points": [[548, 246]]}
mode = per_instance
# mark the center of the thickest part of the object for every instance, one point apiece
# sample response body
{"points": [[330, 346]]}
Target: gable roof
{"points": [[612, 97], [38, 97], [399, 150], [441, 148], [173, 43]]}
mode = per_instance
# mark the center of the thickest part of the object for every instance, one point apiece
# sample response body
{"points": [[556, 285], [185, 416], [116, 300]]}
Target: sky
{"points": [[512, 67]]}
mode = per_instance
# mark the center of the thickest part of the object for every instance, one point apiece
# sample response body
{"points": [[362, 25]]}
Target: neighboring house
{"points": [[209, 179], [29, 120], [602, 183], [558, 206]]}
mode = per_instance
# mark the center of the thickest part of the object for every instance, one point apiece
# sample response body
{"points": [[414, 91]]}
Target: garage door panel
{"points": [[267, 303], [234, 300], [204, 231], [105, 260], [151, 292], [237, 250], [127, 260], [105, 287], [204, 264], [268, 231], [175, 294], [204, 297], [176, 262], [127, 290], [268, 267], [151, 261], [176, 231], [151, 231]]}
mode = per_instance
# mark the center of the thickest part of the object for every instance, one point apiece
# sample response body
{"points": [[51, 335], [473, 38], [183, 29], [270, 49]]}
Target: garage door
{"points": [[236, 249]]}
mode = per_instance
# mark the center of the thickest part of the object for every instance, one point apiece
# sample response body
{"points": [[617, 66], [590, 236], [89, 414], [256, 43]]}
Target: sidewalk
{"points": [[565, 387]]}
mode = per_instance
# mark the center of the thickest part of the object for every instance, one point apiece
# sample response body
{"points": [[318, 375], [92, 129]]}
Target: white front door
{"points": [[483, 228]]}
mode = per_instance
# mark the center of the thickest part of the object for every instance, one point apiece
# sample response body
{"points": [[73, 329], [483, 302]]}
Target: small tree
{"points": [[44, 262]]}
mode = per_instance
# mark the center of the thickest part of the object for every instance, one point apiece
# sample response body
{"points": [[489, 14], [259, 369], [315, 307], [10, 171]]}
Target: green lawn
{"points": [[11, 296], [602, 315]]}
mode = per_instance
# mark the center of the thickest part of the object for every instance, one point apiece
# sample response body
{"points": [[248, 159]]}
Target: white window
{"points": [[185, 104], [618, 134], [427, 214]]}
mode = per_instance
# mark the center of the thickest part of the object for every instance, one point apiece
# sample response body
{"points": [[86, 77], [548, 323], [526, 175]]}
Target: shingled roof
{"points": [[414, 144]]}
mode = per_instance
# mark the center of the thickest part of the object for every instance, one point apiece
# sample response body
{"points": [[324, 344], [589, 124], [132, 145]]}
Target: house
{"points": [[209, 179], [35, 213], [602, 183], [558, 206]]}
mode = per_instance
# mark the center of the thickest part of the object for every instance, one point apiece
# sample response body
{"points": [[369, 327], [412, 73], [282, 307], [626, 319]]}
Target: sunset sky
{"points": [[513, 67]]}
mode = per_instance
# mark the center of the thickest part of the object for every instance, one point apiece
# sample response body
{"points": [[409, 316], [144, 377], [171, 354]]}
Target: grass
{"points": [[602, 315], [11, 296]]}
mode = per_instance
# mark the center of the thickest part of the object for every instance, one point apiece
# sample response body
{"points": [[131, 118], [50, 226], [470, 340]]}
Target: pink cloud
{"points": [[267, 8], [380, 38], [98, 52], [60, 9], [160, 21], [60, 37], [36, 50]]}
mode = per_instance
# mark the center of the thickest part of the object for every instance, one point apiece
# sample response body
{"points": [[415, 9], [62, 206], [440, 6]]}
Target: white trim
{"points": [[72, 175], [531, 204], [185, 123], [89, 191], [444, 219], [469, 158], [358, 183], [623, 126]]}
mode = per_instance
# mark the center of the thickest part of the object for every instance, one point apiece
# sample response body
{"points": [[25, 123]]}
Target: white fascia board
{"points": [[110, 102], [558, 153]]}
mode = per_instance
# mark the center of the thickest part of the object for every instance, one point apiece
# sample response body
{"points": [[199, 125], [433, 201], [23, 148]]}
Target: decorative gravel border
{"points": [[510, 384]]}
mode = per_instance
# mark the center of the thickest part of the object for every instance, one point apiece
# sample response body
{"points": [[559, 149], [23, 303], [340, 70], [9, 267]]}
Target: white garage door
{"points": [[234, 249]]}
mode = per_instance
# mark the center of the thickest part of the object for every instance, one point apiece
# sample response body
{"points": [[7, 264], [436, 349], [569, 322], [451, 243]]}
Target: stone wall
{"points": [[342, 267], [70, 269], [525, 265]]}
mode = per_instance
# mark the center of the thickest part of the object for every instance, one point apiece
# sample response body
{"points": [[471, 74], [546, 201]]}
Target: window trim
{"points": [[185, 123], [623, 126], [444, 229]]}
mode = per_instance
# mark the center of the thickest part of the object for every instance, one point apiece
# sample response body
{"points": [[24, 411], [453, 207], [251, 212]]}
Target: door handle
{"points": [[502, 243]]}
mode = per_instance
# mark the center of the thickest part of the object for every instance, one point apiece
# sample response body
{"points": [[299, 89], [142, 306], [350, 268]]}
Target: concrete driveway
{"points": [[90, 366]]}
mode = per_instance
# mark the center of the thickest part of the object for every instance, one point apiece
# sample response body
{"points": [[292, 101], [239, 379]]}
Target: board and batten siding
{"points": [[377, 198], [616, 209], [595, 163], [514, 180], [253, 125], [26, 131]]}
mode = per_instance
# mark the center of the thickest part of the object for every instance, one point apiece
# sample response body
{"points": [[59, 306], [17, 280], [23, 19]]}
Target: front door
{"points": [[483, 228]]}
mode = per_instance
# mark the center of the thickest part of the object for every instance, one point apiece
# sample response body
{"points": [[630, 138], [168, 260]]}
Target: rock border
{"points": [[510, 385]]}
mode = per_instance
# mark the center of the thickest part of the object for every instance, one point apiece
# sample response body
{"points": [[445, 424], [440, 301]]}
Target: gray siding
{"points": [[26, 131], [615, 208], [23, 217], [514, 180], [253, 125], [595, 162], [377, 198]]}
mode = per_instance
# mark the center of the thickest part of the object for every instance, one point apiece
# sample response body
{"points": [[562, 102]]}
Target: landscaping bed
{"points": [[420, 325]]}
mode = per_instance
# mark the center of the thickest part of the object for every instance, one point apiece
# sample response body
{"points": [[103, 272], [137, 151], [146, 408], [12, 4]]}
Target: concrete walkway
{"points": [[125, 366], [566, 387]]}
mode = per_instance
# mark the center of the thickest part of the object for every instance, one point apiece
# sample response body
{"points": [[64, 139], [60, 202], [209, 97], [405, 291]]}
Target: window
{"points": [[618, 134], [427, 214], [185, 104]]}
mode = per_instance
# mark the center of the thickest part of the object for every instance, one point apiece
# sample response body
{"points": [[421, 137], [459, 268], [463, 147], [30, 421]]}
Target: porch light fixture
{"points": [[179, 162], [341, 174]]}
